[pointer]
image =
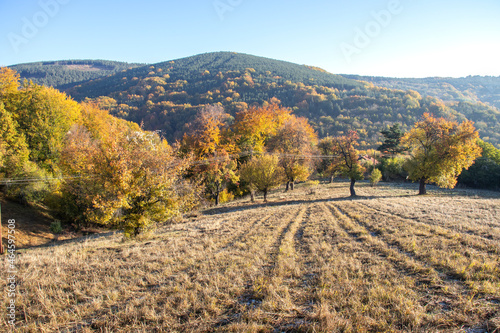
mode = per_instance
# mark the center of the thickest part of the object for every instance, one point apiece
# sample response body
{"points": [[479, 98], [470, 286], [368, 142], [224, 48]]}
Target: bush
{"points": [[375, 176], [32, 191], [225, 196], [392, 168], [483, 174], [56, 227]]}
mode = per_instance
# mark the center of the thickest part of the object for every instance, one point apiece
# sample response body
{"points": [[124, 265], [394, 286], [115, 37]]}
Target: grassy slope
{"points": [[309, 260], [33, 225]]}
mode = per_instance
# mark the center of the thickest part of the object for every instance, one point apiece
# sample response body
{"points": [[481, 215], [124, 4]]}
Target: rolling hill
{"points": [[166, 96]]}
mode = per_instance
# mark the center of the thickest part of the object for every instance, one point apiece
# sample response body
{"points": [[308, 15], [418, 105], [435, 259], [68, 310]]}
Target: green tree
{"points": [[440, 150], [392, 141], [485, 172], [262, 173]]}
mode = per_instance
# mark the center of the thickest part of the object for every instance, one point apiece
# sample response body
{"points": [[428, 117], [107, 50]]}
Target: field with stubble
{"points": [[308, 261]]}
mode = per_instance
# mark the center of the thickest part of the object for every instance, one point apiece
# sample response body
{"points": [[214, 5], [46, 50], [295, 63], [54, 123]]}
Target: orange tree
{"points": [[440, 149], [294, 142]]}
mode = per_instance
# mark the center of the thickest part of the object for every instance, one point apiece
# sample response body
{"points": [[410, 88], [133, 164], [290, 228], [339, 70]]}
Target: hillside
{"points": [[68, 73], [485, 89], [310, 262], [166, 96]]}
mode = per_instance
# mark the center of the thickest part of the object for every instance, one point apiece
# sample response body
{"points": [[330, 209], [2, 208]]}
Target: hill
{"points": [[387, 261], [166, 96], [485, 89], [68, 73]]}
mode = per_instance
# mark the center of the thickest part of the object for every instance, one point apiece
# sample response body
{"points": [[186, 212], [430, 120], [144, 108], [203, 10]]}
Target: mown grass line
{"points": [[476, 241], [467, 225], [441, 297], [478, 270]]}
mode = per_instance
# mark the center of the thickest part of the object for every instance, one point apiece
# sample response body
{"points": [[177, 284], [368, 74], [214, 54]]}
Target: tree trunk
{"points": [[351, 188], [217, 193], [265, 195], [252, 196], [422, 190], [291, 185], [287, 186], [331, 179]]}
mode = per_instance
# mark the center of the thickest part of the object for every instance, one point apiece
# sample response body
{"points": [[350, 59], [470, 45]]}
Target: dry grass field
{"points": [[308, 261]]}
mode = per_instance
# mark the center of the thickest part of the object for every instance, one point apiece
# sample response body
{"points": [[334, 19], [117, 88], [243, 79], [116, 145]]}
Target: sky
{"points": [[395, 38]]}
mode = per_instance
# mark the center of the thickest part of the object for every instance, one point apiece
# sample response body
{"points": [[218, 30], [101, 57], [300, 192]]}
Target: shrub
{"points": [[375, 176], [225, 196], [392, 168], [56, 227]]}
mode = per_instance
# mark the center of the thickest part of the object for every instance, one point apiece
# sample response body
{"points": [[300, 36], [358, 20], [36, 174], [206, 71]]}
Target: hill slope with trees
{"points": [[167, 96], [485, 89], [68, 73]]}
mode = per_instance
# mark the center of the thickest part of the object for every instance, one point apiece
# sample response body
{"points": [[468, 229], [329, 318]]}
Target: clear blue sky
{"points": [[410, 38]]}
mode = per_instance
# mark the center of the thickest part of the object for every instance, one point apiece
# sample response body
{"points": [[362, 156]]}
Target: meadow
{"points": [[311, 260]]}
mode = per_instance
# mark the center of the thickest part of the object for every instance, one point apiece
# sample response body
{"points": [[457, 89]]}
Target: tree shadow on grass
{"points": [[222, 210]]}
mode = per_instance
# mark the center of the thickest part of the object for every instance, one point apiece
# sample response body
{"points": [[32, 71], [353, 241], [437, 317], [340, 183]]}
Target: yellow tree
{"points": [[294, 142], [345, 158], [9, 82], [210, 142], [440, 150], [262, 173], [127, 179], [254, 126], [44, 116], [13, 145]]}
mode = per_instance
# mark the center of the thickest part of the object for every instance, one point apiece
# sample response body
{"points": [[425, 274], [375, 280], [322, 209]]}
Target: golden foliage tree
{"points": [[294, 141], [262, 173], [345, 157], [210, 142], [45, 115], [13, 145], [126, 179], [254, 126], [440, 150]]}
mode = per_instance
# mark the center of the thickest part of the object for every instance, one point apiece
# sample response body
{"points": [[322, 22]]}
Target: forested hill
{"points": [[68, 73], [166, 96], [210, 69], [484, 89]]}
